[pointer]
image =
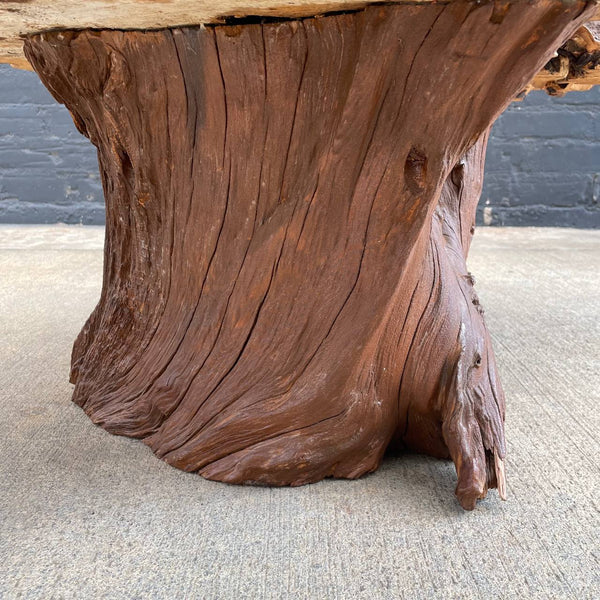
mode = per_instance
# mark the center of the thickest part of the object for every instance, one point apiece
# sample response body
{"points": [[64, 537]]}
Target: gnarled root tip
{"points": [[477, 474], [473, 426]]}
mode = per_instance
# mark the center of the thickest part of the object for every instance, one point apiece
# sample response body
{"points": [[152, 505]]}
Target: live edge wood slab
{"points": [[290, 203]]}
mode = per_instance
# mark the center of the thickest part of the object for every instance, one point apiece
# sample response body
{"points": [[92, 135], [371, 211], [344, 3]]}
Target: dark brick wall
{"points": [[48, 171], [543, 165]]}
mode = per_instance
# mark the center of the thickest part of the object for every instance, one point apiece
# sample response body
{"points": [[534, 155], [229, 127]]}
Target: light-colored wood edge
{"points": [[19, 18]]}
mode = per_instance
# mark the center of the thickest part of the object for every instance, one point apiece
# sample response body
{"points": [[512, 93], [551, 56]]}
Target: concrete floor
{"points": [[88, 515]]}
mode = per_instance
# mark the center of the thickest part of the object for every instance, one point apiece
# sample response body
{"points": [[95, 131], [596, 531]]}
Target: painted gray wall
{"points": [[48, 170], [543, 162], [543, 165]]}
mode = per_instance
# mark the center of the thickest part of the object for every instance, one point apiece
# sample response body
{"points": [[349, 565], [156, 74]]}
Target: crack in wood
{"points": [[285, 290]]}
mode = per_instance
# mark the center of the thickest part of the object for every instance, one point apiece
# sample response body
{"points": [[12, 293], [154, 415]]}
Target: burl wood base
{"points": [[289, 208]]}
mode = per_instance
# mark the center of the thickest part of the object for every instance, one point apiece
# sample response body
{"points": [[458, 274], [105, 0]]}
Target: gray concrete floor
{"points": [[88, 515]]}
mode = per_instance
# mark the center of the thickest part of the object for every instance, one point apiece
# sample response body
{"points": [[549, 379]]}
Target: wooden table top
{"points": [[21, 17]]}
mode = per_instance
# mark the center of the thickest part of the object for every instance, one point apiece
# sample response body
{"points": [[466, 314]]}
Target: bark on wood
{"points": [[289, 209], [576, 66]]}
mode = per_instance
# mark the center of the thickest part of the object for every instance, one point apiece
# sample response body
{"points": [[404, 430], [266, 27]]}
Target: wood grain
{"points": [[19, 18], [289, 208], [576, 66]]}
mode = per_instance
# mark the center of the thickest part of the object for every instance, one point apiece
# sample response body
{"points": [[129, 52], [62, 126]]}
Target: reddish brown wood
{"points": [[289, 208]]}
